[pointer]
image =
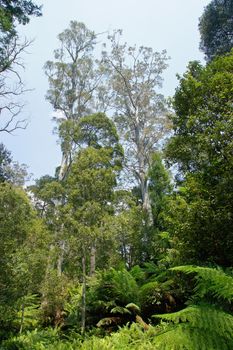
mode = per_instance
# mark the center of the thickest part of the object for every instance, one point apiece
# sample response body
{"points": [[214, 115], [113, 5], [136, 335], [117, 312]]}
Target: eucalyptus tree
{"points": [[140, 112], [73, 77]]}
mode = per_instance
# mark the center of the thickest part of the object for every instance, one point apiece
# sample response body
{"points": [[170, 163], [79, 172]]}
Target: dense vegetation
{"points": [[115, 251]]}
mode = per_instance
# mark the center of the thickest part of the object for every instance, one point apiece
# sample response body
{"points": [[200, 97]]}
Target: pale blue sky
{"points": [[167, 24]]}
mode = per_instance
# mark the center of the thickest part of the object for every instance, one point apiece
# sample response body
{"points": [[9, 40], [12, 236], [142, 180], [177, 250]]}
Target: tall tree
{"points": [[216, 28], [73, 80], [140, 112]]}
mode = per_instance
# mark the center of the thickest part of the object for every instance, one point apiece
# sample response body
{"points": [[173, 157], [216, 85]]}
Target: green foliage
{"points": [[17, 10], [55, 292], [72, 77], [215, 27], [118, 286], [184, 337], [201, 145], [210, 281], [204, 325], [23, 243], [125, 339], [28, 314], [197, 327], [5, 159], [127, 229], [72, 307], [34, 340], [160, 187], [112, 297]]}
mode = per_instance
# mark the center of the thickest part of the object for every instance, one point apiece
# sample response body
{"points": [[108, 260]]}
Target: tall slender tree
{"points": [[73, 80], [140, 112]]}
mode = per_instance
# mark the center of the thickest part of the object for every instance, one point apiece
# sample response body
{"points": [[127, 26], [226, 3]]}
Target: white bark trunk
{"points": [[64, 166], [146, 204], [93, 259]]}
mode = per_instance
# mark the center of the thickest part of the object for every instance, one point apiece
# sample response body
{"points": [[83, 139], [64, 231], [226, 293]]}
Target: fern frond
{"points": [[184, 337], [204, 317], [123, 286], [133, 307], [107, 321], [210, 280], [120, 310]]}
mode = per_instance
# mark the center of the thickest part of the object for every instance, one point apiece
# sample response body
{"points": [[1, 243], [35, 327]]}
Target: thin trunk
{"points": [[93, 259], [146, 204], [60, 258], [142, 170], [142, 323], [83, 310]]}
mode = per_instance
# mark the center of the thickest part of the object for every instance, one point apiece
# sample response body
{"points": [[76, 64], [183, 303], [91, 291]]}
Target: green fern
{"points": [[210, 281], [133, 308], [203, 317], [184, 337], [203, 326], [29, 312]]}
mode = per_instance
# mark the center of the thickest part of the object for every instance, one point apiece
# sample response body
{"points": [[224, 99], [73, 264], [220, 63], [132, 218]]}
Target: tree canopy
{"points": [[12, 11], [216, 28]]}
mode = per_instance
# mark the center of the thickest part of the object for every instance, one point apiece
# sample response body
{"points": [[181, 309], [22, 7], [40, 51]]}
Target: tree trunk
{"points": [[83, 310], [146, 204], [93, 259], [142, 170], [64, 166], [60, 258]]}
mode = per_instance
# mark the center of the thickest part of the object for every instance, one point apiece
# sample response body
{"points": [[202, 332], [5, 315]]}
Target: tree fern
{"points": [[209, 280], [203, 317], [203, 326], [120, 310]]}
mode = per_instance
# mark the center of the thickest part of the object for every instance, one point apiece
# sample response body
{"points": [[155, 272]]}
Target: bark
{"points": [[142, 169], [63, 167], [93, 259], [142, 323], [146, 204]]}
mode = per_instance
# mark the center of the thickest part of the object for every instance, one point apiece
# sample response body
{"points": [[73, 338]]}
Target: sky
{"points": [[166, 24]]}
